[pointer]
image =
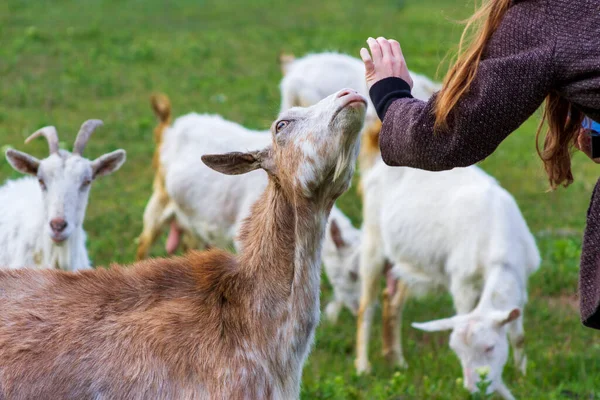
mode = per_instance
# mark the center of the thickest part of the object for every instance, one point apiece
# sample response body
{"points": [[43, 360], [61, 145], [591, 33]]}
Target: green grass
{"points": [[63, 62]]}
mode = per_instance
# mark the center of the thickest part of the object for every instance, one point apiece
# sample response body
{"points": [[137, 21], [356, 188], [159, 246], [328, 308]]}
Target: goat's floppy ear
{"points": [[237, 163], [22, 162], [108, 163], [437, 325], [336, 234], [504, 317]]}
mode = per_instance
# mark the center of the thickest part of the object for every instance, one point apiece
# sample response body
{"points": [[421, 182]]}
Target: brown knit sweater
{"points": [[540, 46]]}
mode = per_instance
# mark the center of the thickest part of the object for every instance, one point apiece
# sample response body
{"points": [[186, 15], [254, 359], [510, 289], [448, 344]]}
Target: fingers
{"points": [[396, 49], [366, 57], [375, 50], [385, 60], [386, 49]]}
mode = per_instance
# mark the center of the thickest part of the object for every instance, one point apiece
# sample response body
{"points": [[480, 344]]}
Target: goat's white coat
{"points": [[213, 206], [23, 233], [341, 265], [455, 229], [26, 210]]}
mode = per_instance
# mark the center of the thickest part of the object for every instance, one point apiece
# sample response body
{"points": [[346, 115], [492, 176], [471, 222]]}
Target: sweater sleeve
{"points": [[512, 81]]}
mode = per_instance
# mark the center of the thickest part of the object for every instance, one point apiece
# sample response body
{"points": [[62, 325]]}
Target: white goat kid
{"points": [[41, 218], [212, 207], [456, 229]]}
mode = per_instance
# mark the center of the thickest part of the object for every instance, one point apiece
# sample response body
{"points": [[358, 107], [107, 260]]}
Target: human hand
{"points": [[583, 142], [386, 60]]}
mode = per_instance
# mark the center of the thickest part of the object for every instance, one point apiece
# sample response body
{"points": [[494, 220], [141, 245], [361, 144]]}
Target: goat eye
{"points": [[42, 184], [489, 349], [280, 125], [86, 183]]}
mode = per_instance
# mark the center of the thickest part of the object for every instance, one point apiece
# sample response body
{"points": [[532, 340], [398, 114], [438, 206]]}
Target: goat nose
{"points": [[344, 92], [58, 224]]}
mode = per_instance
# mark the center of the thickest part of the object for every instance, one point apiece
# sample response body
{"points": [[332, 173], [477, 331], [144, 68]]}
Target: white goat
{"points": [[41, 217], [456, 229], [210, 325], [211, 207]]}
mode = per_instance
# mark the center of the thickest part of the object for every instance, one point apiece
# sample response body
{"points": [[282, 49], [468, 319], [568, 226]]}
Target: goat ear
{"points": [[336, 235], [108, 163], [22, 162], [437, 325], [237, 163], [504, 317]]}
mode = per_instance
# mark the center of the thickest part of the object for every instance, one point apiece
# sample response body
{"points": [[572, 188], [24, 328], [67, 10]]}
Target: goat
{"points": [[208, 208], [41, 218], [455, 229], [308, 79], [209, 325]]}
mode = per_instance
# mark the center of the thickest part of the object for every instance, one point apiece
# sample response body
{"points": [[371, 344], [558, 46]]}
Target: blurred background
{"points": [[63, 62]]}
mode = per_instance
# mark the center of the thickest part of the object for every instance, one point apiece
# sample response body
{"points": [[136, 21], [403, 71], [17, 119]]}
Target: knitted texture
{"points": [[589, 274], [541, 46]]}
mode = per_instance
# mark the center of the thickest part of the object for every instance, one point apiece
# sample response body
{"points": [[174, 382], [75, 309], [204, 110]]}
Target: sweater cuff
{"points": [[386, 91]]}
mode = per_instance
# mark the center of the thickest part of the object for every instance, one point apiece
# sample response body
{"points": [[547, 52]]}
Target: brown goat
{"points": [[209, 325]]}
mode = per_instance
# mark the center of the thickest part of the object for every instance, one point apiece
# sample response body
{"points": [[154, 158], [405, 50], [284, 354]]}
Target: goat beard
{"points": [[341, 165], [347, 155]]}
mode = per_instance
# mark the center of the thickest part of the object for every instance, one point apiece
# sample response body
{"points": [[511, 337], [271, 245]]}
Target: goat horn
{"points": [[86, 130], [49, 132]]}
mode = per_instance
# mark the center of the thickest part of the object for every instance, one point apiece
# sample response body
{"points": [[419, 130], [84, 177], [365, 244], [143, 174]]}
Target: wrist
{"points": [[385, 91]]}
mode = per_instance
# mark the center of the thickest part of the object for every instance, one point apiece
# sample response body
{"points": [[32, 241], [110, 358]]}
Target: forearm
{"points": [[408, 139], [491, 110]]}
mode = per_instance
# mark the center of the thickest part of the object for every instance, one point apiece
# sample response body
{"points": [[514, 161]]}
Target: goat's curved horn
{"points": [[49, 132], [86, 130]]}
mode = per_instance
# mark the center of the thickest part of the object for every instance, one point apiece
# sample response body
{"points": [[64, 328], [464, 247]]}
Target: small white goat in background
{"points": [[210, 207], [456, 229], [41, 217]]}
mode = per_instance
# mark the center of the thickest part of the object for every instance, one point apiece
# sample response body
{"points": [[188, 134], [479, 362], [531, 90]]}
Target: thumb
{"points": [[366, 57]]}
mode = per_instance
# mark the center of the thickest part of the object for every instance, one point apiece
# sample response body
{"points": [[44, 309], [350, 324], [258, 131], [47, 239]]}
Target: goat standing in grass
{"points": [[457, 230], [210, 325], [41, 217]]}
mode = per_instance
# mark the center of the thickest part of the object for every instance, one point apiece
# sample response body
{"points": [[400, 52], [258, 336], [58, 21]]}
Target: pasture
{"points": [[66, 61]]}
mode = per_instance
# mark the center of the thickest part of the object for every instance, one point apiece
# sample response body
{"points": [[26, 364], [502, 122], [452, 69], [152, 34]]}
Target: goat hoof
{"points": [[362, 367], [401, 363], [396, 359]]}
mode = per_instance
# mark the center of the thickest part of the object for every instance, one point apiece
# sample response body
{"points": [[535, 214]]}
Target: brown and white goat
{"points": [[209, 208], [210, 325]]}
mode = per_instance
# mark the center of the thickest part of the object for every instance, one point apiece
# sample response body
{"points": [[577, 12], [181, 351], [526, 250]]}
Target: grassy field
{"points": [[63, 62]]}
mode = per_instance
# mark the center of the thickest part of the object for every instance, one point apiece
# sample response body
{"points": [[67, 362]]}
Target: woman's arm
{"points": [[513, 79]]}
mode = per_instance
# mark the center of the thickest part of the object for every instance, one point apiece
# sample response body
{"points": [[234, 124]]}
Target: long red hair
{"points": [[564, 121]]}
